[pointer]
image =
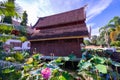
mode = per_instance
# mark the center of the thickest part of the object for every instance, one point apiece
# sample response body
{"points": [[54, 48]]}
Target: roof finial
{"points": [[86, 6]]}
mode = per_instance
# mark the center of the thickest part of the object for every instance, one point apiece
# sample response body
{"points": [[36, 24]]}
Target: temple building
{"points": [[60, 34]]}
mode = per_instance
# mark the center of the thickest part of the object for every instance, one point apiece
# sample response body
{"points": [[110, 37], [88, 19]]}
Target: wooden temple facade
{"points": [[60, 34]]}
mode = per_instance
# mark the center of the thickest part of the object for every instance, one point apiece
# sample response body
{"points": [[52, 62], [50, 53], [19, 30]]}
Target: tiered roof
{"points": [[65, 25]]}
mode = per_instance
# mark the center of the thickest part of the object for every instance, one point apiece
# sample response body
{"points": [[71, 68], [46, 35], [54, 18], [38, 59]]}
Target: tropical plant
{"points": [[104, 33], [11, 73], [18, 57], [8, 8], [97, 68], [111, 31], [116, 23], [94, 40], [6, 28], [87, 42]]}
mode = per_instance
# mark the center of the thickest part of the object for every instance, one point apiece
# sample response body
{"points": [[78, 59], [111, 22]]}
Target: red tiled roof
{"points": [[62, 18]]}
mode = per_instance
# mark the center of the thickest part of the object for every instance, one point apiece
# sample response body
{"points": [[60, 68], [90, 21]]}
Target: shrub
{"points": [[115, 43], [19, 57], [11, 59]]}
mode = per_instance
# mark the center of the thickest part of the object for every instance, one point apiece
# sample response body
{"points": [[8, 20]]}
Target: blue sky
{"points": [[98, 12]]}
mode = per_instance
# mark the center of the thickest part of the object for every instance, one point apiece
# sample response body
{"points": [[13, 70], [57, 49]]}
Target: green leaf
{"points": [[84, 65], [66, 76], [54, 78], [66, 58], [98, 60], [28, 67], [62, 78], [101, 68], [8, 70], [117, 64], [58, 60], [36, 56], [72, 56]]}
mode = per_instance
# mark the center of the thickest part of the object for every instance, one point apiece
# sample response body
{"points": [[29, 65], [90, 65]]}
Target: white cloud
{"points": [[89, 26], [41, 8], [95, 31], [32, 10], [96, 8]]}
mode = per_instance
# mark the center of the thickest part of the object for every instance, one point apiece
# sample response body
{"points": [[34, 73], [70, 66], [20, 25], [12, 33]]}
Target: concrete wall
{"points": [[18, 45]]}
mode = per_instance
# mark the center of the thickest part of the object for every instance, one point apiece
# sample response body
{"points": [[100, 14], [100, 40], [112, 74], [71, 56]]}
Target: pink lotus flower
{"points": [[46, 73]]}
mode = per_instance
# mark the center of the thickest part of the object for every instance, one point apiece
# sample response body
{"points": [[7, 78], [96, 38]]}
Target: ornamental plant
{"points": [[97, 68], [46, 73]]}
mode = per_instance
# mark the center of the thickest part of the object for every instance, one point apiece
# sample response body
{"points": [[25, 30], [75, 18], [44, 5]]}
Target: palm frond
{"points": [[9, 9]]}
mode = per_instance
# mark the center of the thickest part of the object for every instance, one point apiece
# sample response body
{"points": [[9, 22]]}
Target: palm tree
{"points": [[104, 33], [8, 8], [116, 23], [111, 30]]}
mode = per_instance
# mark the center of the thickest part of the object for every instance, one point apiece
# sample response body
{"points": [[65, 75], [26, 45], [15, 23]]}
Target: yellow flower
{"points": [[29, 61], [23, 38]]}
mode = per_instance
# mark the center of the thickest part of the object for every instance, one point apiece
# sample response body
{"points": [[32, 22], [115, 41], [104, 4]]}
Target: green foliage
{"points": [[7, 19], [66, 76], [11, 59], [6, 28], [23, 38], [18, 57], [84, 65], [115, 43], [72, 57], [21, 29], [57, 75], [59, 60], [101, 68], [37, 56], [11, 73], [98, 60], [8, 8], [27, 67], [94, 40], [8, 70], [91, 66], [105, 31], [26, 54], [115, 21], [96, 67], [24, 19], [117, 64], [87, 42]]}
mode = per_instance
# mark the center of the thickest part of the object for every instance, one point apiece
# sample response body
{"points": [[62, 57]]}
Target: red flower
{"points": [[15, 32]]}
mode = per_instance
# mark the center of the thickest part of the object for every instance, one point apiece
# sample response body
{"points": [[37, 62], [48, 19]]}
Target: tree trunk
{"points": [[107, 39]]}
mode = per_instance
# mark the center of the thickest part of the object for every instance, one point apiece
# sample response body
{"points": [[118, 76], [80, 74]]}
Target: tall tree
{"points": [[111, 31], [8, 9], [114, 34], [104, 33], [8, 19], [94, 40], [87, 42], [24, 19]]}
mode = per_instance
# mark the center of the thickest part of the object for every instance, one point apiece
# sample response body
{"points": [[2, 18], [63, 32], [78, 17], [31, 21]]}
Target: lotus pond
{"points": [[93, 65]]}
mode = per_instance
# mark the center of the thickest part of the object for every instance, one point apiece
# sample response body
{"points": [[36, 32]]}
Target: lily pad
{"points": [[101, 68]]}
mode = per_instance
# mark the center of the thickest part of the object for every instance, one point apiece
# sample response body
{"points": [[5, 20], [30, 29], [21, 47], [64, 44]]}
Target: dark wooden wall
{"points": [[58, 47]]}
